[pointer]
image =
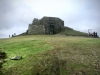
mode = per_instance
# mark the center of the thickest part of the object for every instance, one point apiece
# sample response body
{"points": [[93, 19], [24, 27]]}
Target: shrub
{"points": [[2, 57]]}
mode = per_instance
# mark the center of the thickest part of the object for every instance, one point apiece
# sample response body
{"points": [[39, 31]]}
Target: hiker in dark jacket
{"points": [[94, 34]]}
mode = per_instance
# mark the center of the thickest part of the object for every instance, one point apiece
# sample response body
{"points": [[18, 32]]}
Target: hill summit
{"points": [[50, 25]]}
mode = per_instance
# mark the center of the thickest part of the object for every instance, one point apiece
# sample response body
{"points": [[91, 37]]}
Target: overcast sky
{"points": [[16, 15]]}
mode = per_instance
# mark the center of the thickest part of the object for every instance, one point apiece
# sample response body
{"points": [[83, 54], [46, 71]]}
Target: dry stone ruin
{"points": [[46, 25]]}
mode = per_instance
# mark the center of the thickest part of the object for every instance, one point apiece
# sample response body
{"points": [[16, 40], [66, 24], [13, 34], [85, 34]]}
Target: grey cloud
{"points": [[12, 15], [14, 18]]}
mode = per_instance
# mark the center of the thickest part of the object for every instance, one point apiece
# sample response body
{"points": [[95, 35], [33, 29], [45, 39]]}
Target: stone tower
{"points": [[46, 25]]}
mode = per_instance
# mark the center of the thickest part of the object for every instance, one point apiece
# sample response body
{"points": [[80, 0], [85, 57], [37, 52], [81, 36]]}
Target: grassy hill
{"points": [[71, 32], [51, 55]]}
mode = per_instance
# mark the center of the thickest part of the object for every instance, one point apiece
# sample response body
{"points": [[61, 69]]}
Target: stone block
{"points": [[16, 58]]}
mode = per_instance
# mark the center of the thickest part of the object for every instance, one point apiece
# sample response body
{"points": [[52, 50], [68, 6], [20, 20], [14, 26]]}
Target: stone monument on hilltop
{"points": [[46, 25]]}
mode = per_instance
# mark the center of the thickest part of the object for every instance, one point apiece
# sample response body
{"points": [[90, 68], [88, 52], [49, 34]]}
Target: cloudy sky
{"points": [[16, 15]]}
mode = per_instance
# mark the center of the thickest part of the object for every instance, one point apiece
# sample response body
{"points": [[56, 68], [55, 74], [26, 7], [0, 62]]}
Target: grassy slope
{"points": [[52, 55], [68, 31]]}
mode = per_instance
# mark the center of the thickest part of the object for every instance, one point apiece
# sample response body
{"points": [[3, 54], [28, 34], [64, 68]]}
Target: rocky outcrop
{"points": [[2, 57]]}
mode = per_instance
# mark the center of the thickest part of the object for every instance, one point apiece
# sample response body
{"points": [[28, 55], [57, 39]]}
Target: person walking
{"points": [[9, 36], [93, 34], [96, 35]]}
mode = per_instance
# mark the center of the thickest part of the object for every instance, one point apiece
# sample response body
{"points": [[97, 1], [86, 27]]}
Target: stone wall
{"points": [[36, 29], [46, 25], [36, 22], [54, 21]]}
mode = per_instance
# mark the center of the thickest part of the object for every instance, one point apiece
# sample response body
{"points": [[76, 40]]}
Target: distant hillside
{"points": [[71, 32]]}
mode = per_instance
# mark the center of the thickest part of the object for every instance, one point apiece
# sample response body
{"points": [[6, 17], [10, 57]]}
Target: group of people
{"points": [[12, 35], [94, 34]]}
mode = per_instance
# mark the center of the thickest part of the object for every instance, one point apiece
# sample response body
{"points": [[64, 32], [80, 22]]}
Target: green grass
{"points": [[22, 47], [51, 54], [70, 32]]}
